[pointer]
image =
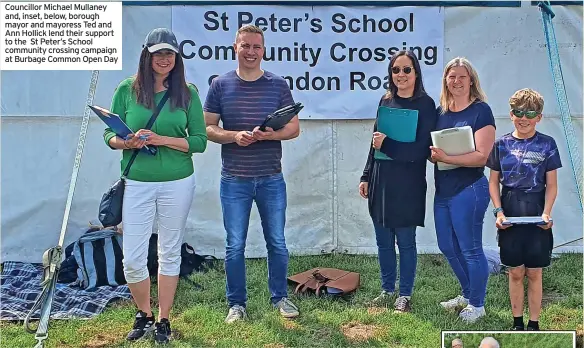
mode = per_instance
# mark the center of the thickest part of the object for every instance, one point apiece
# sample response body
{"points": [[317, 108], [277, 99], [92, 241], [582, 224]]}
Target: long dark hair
{"points": [[175, 82], [418, 84]]}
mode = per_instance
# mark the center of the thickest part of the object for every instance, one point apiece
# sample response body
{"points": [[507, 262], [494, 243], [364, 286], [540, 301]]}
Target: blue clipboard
{"points": [[398, 124], [118, 126]]}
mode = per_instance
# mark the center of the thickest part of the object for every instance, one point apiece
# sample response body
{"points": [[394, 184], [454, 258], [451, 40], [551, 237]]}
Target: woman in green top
{"points": [[158, 186]]}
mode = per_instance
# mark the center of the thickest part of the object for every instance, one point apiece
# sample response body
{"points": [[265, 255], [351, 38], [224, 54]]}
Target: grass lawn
{"points": [[540, 340], [197, 318]]}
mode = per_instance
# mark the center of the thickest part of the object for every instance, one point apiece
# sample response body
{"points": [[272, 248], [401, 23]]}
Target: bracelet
{"points": [[125, 145], [497, 210]]}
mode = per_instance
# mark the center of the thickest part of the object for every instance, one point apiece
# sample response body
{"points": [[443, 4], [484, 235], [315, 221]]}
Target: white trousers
{"points": [[170, 203]]}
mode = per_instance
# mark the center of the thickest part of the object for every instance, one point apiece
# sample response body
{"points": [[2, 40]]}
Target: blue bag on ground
{"points": [[99, 257]]}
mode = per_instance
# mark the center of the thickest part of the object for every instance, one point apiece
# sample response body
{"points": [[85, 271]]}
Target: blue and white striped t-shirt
{"points": [[243, 105]]}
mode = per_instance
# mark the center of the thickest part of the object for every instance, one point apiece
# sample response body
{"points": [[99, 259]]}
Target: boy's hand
{"points": [[499, 222], [548, 221]]}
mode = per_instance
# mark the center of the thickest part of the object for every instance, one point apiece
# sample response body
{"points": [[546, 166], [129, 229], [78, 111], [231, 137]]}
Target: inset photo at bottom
{"points": [[508, 339]]}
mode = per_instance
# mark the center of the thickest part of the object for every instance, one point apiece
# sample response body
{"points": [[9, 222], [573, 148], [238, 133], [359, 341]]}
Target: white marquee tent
{"points": [[42, 112]]}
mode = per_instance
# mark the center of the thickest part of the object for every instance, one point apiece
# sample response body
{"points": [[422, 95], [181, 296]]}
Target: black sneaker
{"points": [[142, 325], [162, 332], [518, 328]]}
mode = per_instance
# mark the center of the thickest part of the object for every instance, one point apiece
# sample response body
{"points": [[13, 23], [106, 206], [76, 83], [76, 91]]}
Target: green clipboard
{"points": [[398, 124]]}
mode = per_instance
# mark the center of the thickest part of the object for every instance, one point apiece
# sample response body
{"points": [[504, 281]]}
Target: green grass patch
{"points": [[197, 317]]}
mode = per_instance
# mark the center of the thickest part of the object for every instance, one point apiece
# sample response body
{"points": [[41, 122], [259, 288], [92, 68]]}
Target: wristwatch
{"points": [[497, 210]]}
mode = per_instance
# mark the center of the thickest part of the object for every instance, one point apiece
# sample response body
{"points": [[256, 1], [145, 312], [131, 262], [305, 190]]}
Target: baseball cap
{"points": [[161, 39]]}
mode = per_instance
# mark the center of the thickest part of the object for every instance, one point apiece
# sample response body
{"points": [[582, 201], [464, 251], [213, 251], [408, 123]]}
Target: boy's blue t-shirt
{"points": [[451, 182], [523, 163]]}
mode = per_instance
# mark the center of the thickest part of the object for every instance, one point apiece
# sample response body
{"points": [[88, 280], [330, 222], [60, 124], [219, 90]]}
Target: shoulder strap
{"points": [[148, 125]]}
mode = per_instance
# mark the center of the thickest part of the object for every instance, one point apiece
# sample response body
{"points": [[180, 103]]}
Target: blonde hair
{"points": [[526, 99], [476, 92], [250, 28]]}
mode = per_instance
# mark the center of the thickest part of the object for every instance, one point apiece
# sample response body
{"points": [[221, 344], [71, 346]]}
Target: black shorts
{"points": [[526, 245]]}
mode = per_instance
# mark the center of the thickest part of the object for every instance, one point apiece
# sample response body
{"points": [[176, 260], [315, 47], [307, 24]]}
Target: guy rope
{"points": [[52, 257]]}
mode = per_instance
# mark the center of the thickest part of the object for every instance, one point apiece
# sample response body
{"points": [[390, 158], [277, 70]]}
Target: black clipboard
{"points": [[279, 118]]}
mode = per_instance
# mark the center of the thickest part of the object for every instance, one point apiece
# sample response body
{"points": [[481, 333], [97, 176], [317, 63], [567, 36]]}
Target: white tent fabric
{"points": [[41, 118]]}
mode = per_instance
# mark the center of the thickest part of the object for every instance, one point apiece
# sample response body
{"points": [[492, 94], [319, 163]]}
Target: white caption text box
{"points": [[61, 36]]}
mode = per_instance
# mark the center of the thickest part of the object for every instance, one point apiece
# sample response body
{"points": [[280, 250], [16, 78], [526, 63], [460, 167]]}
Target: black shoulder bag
{"points": [[110, 207]]}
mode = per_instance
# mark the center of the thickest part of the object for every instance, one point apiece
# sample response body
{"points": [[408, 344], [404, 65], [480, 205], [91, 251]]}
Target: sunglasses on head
{"points": [[396, 70], [529, 114]]}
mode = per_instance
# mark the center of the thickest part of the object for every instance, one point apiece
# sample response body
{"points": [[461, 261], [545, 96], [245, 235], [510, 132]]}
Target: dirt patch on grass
{"points": [[101, 336], [355, 331], [376, 310], [558, 320], [101, 341], [579, 336], [290, 325]]}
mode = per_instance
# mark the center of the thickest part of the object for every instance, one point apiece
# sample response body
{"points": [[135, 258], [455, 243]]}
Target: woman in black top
{"points": [[396, 187]]}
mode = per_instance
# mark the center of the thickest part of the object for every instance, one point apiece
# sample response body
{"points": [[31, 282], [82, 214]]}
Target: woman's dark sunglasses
{"points": [[396, 70], [528, 114]]}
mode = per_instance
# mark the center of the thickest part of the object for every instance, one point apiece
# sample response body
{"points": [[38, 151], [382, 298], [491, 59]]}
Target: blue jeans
{"points": [[237, 196], [459, 230], [408, 257]]}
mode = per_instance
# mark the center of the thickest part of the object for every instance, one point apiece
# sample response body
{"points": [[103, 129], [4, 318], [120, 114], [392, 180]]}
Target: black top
{"points": [[397, 187], [451, 182]]}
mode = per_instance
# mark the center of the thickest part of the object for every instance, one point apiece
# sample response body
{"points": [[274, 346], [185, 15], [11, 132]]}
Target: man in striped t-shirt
{"points": [[251, 168]]}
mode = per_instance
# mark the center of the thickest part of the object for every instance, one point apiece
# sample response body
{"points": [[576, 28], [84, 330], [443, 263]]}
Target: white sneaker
{"points": [[452, 304], [236, 313], [470, 313], [382, 300]]}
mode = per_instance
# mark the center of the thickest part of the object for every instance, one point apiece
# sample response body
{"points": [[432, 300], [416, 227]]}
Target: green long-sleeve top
{"points": [[168, 164]]}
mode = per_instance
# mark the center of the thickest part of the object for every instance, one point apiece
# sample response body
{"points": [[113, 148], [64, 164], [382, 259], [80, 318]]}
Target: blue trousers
{"points": [[237, 197], [408, 256], [459, 230]]}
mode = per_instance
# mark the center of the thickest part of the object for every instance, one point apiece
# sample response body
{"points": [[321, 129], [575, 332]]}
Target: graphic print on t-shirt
{"points": [[523, 163]]}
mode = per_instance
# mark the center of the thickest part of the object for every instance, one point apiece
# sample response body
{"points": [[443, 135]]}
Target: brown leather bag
{"points": [[319, 279]]}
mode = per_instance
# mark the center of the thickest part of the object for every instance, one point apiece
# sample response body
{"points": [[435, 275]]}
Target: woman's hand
{"points": [[152, 138], [363, 189], [378, 140], [437, 155], [134, 141]]}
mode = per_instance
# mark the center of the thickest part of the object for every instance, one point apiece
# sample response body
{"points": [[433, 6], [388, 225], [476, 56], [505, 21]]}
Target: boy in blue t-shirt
{"points": [[525, 163]]}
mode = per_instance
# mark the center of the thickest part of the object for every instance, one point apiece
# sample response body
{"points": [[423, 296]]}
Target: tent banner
{"points": [[334, 59]]}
